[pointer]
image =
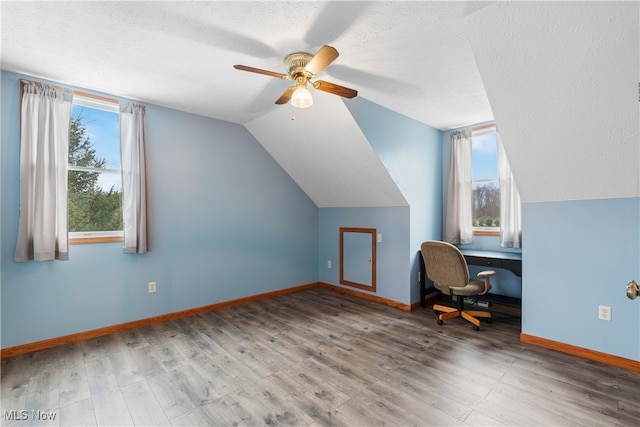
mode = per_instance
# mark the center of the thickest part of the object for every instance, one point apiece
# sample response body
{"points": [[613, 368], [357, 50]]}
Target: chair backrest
{"points": [[444, 263]]}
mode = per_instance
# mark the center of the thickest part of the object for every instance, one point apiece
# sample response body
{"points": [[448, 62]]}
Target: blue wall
{"points": [[227, 222], [412, 154], [222, 232], [576, 255], [579, 255], [392, 254]]}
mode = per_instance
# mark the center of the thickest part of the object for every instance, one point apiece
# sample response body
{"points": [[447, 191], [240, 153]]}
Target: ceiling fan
{"points": [[301, 68]]}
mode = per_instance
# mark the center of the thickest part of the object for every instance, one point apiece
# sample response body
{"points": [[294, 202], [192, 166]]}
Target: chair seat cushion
{"points": [[474, 287]]}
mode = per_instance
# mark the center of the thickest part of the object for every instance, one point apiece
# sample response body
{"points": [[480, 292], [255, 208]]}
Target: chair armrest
{"points": [[487, 273], [486, 276]]}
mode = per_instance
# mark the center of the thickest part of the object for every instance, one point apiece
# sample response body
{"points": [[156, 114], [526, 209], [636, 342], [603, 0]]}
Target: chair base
{"points": [[472, 316]]}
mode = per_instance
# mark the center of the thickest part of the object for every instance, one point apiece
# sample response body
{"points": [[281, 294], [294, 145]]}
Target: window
{"points": [[485, 183], [95, 179]]}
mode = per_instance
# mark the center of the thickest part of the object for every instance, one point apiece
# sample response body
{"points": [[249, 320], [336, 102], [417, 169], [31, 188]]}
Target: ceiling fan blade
{"points": [[260, 71], [325, 56], [335, 89], [286, 96]]}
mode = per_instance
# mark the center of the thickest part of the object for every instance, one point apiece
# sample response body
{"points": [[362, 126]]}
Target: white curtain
{"points": [[133, 140], [458, 227], [44, 148], [510, 205]]}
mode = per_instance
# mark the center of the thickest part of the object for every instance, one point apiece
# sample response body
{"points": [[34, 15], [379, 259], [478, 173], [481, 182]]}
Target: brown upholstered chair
{"points": [[447, 269]]}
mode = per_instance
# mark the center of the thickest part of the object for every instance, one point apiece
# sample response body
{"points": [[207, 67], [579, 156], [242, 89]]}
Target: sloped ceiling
{"points": [[563, 78], [356, 176], [411, 57]]}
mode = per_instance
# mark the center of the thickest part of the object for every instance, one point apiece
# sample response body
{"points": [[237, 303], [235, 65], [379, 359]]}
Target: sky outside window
{"points": [[484, 155], [103, 129]]}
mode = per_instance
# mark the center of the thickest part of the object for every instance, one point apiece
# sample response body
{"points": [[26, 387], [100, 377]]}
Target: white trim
{"points": [[113, 107], [486, 228], [496, 180], [98, 104], [87, 169], [83, 234], [483, 131]]}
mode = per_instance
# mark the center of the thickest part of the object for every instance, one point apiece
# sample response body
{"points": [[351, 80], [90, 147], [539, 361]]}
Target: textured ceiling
{"points": [[343, 171], [411, 57], [563, 81], [562, 78]]}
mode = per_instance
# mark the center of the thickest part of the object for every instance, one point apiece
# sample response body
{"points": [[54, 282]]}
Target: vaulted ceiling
{"points": [[411, 57], [561, 78]]}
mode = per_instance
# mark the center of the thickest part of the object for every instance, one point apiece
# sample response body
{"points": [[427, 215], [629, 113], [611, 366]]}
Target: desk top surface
{"points": [[492, 254]]}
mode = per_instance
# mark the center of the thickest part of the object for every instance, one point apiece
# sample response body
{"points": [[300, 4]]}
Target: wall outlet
{"points": [[604, 312], [329, 264], [152, 287]]}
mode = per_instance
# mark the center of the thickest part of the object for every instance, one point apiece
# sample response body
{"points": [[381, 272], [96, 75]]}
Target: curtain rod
{"points": [[493, 125], [75, 92], [25, 81]]}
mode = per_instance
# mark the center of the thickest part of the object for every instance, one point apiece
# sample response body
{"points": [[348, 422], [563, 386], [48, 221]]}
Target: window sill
{"points": [[91, 240], [486, 233]]}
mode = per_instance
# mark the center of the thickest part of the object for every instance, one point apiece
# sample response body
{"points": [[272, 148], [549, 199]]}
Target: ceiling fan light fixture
{"points": [[301, 97], [301, 67]]}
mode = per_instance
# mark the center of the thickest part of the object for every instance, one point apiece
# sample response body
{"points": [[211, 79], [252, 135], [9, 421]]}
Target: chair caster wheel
{"points": [[439, 322], [476, 328]]}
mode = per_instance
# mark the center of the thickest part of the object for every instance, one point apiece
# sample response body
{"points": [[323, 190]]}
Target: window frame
{"points": [[477, 131], [90, 237]]}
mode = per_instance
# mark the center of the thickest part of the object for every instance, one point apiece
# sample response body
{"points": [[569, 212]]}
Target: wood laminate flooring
{"points": [[315, 358]]}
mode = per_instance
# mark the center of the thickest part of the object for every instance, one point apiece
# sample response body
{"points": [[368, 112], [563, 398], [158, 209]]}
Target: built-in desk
{"points": [[491, 259], [508, 260]]}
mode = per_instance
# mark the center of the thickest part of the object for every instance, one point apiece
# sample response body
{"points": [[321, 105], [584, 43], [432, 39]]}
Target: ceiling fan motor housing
{"points": [[295, 64]]}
